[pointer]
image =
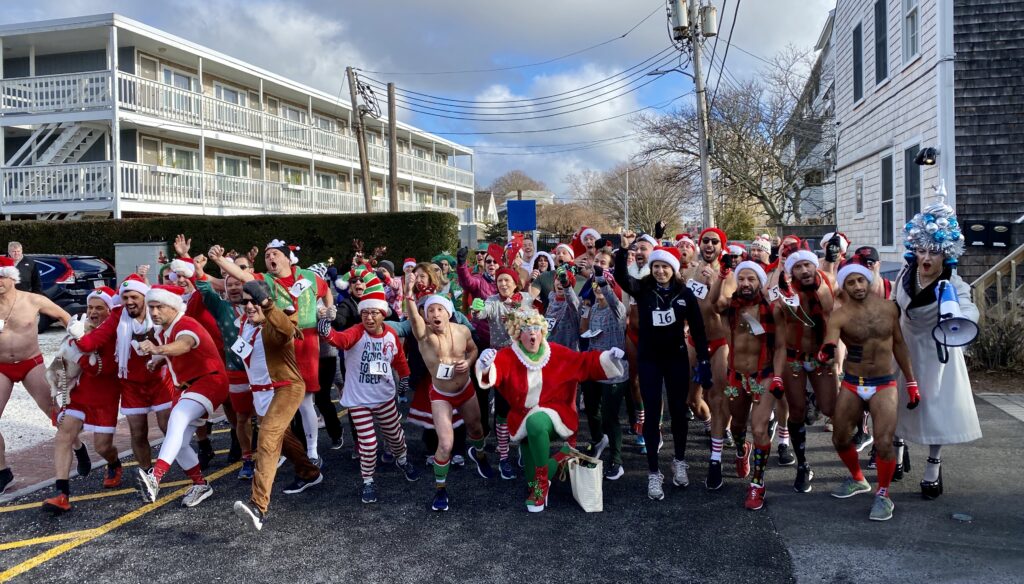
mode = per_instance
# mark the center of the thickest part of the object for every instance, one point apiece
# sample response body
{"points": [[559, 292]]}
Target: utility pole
{"points": [[364, 160], [392, 150], [625, 219], [697, 39]]}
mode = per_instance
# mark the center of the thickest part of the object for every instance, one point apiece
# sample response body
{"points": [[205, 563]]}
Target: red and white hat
{"points": [[762, 243], [374, 296], [107, 295], [800, 255], [844, 242], [184, 266], [9, 270], [753, 267], [408, 263], [668, 255], [134, 283], [685, 239], [852, 268], [167, 295], [648, 238], [566, 247]]}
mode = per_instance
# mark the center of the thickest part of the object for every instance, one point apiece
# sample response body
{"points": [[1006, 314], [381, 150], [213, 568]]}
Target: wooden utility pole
{"points": [[697, 39], [392, 150], [364, 160]]}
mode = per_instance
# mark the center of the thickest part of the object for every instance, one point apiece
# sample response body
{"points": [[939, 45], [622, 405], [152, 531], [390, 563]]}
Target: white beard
{"points": [[639, 273]]}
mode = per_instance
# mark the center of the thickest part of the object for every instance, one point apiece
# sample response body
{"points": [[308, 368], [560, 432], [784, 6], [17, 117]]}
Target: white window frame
{"points": [[142, 149], [910, 9], [332, 125], [284, 107], [888, 62], [286, 177], [853, 70], [255, 164], [271, 104], [193, 80], [219, 165], [164, 147], [218, 92], [919, 142], [159, 68], [859, 178], [881, 156], [332, 180]]}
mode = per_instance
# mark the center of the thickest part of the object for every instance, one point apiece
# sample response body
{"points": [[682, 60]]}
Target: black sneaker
{"points": [[206, 453], [862, 439], [773, 424], [689, 415], [786, 456], [84, 462], [249, 515], [483, 468], [714, 480], [235, 452], [337, 443], [440, 502], [614, 472], [6, 478], [804, 476], [299, 485], [873, 458]]}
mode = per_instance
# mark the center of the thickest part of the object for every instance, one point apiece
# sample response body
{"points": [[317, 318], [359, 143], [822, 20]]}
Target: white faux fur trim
{"points": [[612, 367], [164, 297], [556, 421], [490, 373], [179, 265], [11, 272], [194, 336]]}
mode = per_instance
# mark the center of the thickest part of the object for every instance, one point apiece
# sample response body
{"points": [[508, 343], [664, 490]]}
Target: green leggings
{"points": [[536, 447]]}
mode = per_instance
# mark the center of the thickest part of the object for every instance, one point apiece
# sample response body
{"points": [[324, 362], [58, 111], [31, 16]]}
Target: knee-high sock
{"points": [[309, 425], [386, 415], [886, 468], [716, 449], [849, 458], [440, 472], [741, 439], [931, 471], [798, 434], [761, 452], [538, 439], [783, 435], [179, 425], [501, 429]]}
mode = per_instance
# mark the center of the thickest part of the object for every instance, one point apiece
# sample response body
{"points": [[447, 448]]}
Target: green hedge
{"points": [[420, 235]]}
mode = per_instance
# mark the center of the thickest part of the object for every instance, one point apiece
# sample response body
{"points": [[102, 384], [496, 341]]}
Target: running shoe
{"points": [[828, 425], [320, 423], [642, 444], [112, 478], [654, 486], [281, 460], [148, 485], [412, 474], [317, 462], [689, 415], [337, 443], [786, 456], [250, 516], [596, 448], [614, 472], [743, 462], [84, 462], [483, 468], [714, 480], [196, 494], [730, 442], [386, 457], [881, 509], [6, 478], [299, 485], [679, 476], [247, 471], [773, 424], [862, 439], [804, 476], [850, 487], [440, 502], [873, 458], [369, 492], [57, 504], [458, 460], [755, 498], [505, 468]]}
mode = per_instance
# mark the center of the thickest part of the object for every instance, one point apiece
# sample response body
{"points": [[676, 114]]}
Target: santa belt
{"points": [[270, 386], [184, 386], [868, 381]]}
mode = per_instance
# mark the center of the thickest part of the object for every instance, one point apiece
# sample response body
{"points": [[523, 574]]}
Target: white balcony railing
{"points": [[44, 93], [57, 183]]}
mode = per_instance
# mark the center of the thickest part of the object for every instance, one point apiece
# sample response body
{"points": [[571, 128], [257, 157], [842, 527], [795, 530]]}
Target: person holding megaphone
{"points": [[937, 318]]}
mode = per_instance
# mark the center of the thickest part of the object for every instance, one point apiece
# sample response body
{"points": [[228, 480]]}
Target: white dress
{"points": [[946, 414]]}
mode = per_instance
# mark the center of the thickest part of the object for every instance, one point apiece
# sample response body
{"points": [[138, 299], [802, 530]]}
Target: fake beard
{"points": [[639, 273]]}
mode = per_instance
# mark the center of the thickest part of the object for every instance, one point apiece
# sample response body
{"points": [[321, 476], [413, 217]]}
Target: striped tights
{"points": [[386, 415]]}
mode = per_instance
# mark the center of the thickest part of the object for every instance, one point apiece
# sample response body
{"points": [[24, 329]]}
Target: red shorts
{"points": [[457, 399], [94, 402], [210, 390], [307, 357], [713, 346], [241, 401], [19, 370], [142, 398]]}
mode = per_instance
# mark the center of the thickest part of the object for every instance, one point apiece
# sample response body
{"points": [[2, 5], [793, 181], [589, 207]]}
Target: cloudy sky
{"points": [[312, 41]]}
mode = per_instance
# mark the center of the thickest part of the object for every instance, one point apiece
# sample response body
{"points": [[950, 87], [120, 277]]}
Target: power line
{"points": [[602, 144], [728, 43], [485, 145], [715, 49], [525, 66]]}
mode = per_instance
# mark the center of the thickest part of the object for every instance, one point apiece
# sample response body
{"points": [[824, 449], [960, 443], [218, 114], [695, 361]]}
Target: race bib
{"points": [[242, 348], [699, 290], [755, 325], [774, 294], [299, 287], [445, 371], [551, 323], [793, 300], [584, 312], [380, 368], [663, 317]]}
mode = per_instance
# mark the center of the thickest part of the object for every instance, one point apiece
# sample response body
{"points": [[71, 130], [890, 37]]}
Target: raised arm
{"points": [[228, 267], [628, 283], [47, 307], [419, 326]]}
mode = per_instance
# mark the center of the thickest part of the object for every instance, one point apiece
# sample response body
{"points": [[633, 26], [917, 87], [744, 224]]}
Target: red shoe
{"points": [[112, 479], [57, 505], [743, 462], [638, 428], [538, 491], [755, 498]]}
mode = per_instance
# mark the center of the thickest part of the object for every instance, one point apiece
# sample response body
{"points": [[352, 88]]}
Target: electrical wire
{"points": [[546, 152], [524, 66], [714, 50], [728, 43]]}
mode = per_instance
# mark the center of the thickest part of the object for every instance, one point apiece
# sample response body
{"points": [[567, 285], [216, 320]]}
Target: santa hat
{"points": [[185, 266], [578, 248], [762, 243], [852, 268], [754, 267], [167, 295], [646, 237], [288, 250], [569, 249], [844, 242], [668, 255], [721, 236], [107, 295], [533, 262], [134, 283], [737, 249], [374, 296], [798, 256], [685, 239], [9, 270], [409, 263], [438, 299]]}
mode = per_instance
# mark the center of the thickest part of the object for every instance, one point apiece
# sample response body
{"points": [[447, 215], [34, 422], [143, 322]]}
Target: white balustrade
{"points": [[57, 183], [49, 93], [157, 99]]}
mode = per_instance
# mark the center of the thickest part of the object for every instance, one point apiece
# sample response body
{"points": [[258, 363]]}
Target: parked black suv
{"points": [[68, 280]]}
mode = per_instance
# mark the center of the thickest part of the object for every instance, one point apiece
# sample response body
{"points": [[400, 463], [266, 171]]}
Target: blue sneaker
{"points": [[369, 492], [505, 466], [386, 457], [440, 500], [642, 444], [482, 466], [412, 474], [247, 471]]}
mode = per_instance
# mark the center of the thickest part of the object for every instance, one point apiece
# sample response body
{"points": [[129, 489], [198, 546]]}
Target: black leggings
{"points": [[673, 372], [322, 398]]}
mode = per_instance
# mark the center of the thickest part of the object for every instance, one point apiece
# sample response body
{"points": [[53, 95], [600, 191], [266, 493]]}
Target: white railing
{"points": [[223, 115], [44, 93], [166, 186], [158, 99], [57, 183]]}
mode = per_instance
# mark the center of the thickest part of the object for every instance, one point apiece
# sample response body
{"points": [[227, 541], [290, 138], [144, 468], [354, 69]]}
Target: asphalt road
{"points": [[327, 535]]}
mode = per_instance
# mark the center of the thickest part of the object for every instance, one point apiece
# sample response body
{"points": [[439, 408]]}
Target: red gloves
{"points": [[827, 353], [776, 388], [913, 394]]}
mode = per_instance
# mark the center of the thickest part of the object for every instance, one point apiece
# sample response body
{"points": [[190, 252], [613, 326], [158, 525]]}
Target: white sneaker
{"points": [[148, 485], [654, 482], [196, 495], [249, 515], [280, 461], [598, 448], [679, 476]]}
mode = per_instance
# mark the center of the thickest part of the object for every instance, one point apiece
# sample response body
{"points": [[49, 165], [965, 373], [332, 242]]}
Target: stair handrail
{"points": [[993, 276]]}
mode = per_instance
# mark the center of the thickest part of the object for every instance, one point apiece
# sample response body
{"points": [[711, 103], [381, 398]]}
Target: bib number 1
{"points": [[663, 317], [445, 371]]}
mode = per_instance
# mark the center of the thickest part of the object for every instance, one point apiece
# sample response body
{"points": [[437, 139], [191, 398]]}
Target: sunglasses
{"points": [[709, 240], [245, 301], [489, 261]]}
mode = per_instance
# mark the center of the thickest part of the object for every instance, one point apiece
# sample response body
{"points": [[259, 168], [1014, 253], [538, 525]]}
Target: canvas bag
{"points": [[586, 475]]}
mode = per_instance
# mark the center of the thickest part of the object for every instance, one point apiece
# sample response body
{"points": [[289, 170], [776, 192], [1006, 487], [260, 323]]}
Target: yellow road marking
{"points": [[90, 497], [52, 553], [46, 539]]}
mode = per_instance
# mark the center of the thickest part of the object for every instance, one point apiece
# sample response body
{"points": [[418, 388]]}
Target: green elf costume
{"points": [[451, 290]]}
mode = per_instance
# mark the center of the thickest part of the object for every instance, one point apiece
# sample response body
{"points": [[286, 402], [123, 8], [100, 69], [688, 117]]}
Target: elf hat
{"points": [[374, 296], [167, 295]]}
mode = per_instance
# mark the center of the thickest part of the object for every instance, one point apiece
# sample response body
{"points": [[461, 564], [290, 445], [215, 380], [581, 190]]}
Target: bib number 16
{"points": [[663, 317]]}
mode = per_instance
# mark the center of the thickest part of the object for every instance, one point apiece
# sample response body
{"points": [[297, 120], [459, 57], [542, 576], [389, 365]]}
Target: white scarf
{"points": [[127, 327]]}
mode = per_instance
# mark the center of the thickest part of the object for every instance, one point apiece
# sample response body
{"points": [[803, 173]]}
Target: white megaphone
{"points": [[953, 329]]}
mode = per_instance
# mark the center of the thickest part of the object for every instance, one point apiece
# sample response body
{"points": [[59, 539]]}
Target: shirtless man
{"points": [[800, 316], [20, 357], [869, 327], [712, 278], [448, 352]]}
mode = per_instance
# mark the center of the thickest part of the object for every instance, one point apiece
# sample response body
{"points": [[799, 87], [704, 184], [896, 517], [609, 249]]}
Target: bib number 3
{"points": [[663, 317]]}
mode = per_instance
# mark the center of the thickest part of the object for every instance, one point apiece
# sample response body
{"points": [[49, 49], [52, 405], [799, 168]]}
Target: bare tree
{"points": [[514, 180], [655, 194], [764, 133], [563, 219]]}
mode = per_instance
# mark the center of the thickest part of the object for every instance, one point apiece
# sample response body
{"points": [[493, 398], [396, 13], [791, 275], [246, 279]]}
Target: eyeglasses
{"points": [[370, 312], [245, 301], [530, 328], [490, 261], [709, 240]]}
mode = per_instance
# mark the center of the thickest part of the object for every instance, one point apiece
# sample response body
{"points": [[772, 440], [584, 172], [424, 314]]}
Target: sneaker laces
{"points": [[654, 481]]}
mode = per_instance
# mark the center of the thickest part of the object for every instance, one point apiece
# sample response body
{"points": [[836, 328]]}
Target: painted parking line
{"points": [[89, 497], [46, 539], [63, 548]]}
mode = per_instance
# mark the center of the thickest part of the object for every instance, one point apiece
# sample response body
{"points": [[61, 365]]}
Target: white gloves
{"points": [[76, 327], [486, 359], [617, 353]]}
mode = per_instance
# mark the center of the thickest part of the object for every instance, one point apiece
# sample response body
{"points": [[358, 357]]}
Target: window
{"points": [[858, 196], [324, 123], [232, 166], [881, 42], [293, 113], [887, 203], [910, 30], [912, 181], [326, 181], [858, 64], [179, 79], [181, 157], [256, 166], [295, 176], [150, 151], [229, 94]]}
